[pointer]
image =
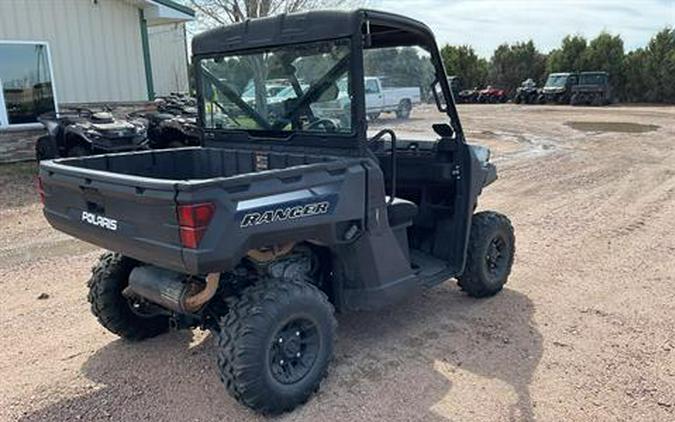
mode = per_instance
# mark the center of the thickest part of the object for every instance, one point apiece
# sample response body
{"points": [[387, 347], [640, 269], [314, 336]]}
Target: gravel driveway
{"points": [[583, 331]]}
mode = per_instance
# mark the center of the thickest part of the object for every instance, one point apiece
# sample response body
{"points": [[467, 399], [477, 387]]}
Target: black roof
{"points": [[309, 26]]}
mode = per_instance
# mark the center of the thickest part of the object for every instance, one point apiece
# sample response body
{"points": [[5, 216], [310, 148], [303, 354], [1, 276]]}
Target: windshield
{"points": [[593, 79], [285, 89], [556, 80]]}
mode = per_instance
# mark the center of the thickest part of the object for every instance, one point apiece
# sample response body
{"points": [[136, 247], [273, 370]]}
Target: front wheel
{"points": [[275, 344], [46, 148], [490, 254]]}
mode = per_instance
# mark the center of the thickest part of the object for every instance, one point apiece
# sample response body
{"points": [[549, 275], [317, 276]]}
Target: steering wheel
{"points": [[328, 125]]}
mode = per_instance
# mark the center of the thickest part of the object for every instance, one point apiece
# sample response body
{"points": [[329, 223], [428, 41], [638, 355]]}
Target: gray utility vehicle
{"points": [[275, 222], [558, 88], [593, 89]]}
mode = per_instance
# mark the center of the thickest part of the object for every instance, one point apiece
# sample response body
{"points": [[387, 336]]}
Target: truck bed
{"points": [[128, 202]]}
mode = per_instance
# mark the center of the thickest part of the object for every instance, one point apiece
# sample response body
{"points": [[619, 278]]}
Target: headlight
{"points": [[482, 153]]}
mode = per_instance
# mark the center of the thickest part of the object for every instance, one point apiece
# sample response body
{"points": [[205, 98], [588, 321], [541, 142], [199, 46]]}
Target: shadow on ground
{"points": [[386, 367]]}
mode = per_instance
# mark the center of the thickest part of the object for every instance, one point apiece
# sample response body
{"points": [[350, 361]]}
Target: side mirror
{"points": [[441, 101], [443, 130]]}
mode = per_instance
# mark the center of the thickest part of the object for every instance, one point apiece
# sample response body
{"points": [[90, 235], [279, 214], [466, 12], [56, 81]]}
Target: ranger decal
{"points": [[286, 213]]}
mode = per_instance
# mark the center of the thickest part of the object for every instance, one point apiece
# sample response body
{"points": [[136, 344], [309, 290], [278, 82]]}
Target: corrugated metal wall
{"points": [[95, 45], [168, 57]]}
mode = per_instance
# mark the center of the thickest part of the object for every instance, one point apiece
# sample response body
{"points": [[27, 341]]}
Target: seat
{"points": [[400, 211]]}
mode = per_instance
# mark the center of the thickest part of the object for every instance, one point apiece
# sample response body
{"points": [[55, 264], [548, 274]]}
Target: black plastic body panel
{"points": [[140, 192]]}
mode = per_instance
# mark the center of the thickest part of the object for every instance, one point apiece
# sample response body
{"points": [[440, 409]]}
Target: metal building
{"points": [[88, 51]]}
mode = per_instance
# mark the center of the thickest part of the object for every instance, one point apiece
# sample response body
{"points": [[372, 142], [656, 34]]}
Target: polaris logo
{"points": [[283, 214], [99, 221]]}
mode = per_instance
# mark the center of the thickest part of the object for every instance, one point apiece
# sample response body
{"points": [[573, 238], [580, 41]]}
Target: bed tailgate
{"points": [[132, 215]]}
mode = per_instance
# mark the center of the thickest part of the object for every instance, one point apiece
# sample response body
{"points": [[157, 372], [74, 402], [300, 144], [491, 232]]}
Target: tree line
{"points": [[643, 75]]}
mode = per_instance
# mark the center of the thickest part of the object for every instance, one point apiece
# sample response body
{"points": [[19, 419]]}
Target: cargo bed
{"points": [[128, 202]]}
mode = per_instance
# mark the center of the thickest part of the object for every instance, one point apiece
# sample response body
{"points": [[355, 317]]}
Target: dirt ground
{"points": [[583, 331]]}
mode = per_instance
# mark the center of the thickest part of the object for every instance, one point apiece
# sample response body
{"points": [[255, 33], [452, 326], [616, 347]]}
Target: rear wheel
{"points": [[113, 311], [275, 344], [404, 109], [598, 100], [489, 256]]}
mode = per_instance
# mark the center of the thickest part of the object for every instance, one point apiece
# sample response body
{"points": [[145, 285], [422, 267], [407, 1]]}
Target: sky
{"points": [[485, 24]]}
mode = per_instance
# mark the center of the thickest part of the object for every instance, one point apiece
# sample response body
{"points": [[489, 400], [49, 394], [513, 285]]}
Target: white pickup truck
{"points": [[388, 100]]}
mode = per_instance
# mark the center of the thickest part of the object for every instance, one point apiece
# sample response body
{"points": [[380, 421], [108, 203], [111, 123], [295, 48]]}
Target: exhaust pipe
{"points": [[171, 290]]}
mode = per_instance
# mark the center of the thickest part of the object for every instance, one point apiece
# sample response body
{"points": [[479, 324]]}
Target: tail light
{"points": [[193, 219], [41, 189]]}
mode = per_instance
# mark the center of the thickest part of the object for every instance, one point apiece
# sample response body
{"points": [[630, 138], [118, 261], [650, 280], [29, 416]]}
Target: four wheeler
{"points": [[593, 89], [527, 92], [558, 88], [278, 221], [82, 131], [174, 123], [492, 95], [467, 96]]}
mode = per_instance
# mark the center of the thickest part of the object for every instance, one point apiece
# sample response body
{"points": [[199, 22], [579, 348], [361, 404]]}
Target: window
{"points": [[371, 86], [26, 88], [303, 88]]}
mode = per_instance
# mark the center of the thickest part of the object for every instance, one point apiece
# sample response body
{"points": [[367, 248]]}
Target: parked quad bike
{"points": [[527, 93], [491, 95], [174, 123], [82, 131], [467, 96]]}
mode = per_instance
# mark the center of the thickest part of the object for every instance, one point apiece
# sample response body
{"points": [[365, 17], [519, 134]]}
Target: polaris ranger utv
{"points": [[279, 220], [593, 89], [558, 88]]}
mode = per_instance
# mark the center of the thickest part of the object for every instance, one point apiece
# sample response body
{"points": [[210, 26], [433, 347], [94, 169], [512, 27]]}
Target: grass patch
{"points": [[27, 168]]}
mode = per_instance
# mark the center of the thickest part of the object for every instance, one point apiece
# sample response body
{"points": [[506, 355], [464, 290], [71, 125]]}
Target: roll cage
{"points": [[366, 29]]}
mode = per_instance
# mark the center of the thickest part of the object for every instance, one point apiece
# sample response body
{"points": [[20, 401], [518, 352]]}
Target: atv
{"points": [[593, 89], [492, 95], [82, 131], [527, 93], [467, 96], [174, 122], [278, 221]]}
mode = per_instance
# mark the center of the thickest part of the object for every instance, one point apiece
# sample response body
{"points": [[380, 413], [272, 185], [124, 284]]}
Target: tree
{"points": [[569, 57], [462, 61], [661, 66], [212, 13], [605, 53], [636, 81], [512, 64], [407, 66]]}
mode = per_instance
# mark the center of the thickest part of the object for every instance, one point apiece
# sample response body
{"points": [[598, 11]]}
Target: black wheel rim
{"points": [[293, 350], [497, 257]]}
